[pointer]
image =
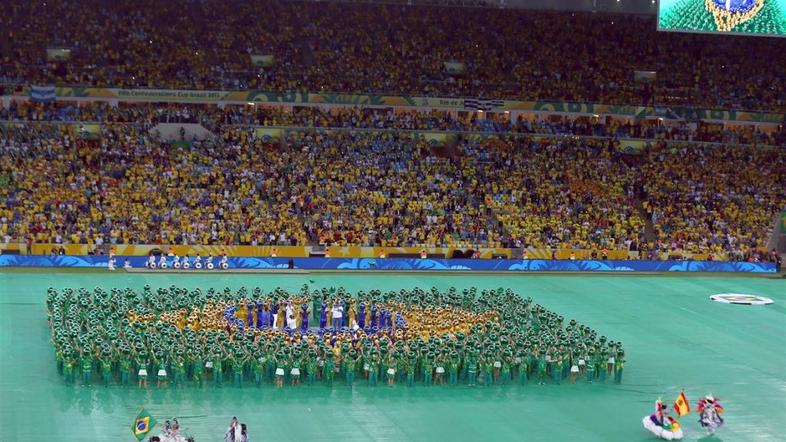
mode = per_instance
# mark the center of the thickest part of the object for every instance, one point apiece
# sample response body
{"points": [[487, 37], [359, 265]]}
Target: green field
{"points": [[673, 335]]}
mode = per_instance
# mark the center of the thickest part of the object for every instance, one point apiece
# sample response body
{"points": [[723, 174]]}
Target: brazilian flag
{"points": [[142, 424]]}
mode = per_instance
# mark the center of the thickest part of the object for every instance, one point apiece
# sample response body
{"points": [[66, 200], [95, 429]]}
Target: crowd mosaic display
{"points": [[250, 336]]}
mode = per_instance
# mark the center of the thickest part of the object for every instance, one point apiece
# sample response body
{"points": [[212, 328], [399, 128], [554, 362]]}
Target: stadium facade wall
{"points": [[416, 264]]}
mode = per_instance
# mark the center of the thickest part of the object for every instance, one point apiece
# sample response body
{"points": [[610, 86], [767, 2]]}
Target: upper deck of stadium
{"points": [[384, 48]]}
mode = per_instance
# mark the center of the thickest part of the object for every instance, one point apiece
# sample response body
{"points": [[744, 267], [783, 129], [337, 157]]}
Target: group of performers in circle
{"points": [[179, 336], [173, 261], [664, 426]]}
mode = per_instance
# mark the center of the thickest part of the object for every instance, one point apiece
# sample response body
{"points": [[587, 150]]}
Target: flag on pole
{"points": [[681, 405], [142, 424]]}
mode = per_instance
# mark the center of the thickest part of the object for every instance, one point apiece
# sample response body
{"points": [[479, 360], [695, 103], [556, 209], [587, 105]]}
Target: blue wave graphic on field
{"points": [[356, 263], [256, 263], [406, 264], [553, 265]]}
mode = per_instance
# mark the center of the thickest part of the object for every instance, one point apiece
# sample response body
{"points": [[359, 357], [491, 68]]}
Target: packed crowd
{"points": [[173, 335], [215, 118], [383, 188], [63, 189], [712, 203], [720, 15], [567, 194], [374, 48]]}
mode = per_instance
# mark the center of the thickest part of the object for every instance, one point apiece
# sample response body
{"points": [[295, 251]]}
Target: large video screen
{"points": [[750, 17]]}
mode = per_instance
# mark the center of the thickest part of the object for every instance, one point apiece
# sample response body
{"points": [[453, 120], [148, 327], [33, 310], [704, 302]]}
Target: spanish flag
{"points": [[681, 405], [142, 424]]}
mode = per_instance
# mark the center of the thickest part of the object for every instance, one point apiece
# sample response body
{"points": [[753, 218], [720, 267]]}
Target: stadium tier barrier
{"points": [[410, 264], [115, 95], [337, 251]]}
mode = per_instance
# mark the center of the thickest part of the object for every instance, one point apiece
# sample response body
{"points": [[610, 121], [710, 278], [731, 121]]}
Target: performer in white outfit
{"points": [[238, 433], [290, 318], [661, 424], [234, 427], [338, 315]]}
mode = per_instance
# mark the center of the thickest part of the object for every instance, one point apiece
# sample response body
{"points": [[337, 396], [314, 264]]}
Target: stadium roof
{"points": [[648, 7], [616, 6]]}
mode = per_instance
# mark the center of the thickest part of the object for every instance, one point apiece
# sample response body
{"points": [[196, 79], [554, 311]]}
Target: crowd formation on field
{"points": [[179, 336]]}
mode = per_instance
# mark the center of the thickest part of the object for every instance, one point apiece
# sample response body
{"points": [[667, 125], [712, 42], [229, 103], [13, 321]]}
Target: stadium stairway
{"points": [[181, 131], [778, 238], [649, 227], [639, 197]]}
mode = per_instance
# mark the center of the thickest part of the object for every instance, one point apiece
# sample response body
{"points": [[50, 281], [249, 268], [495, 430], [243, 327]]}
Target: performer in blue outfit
{"points": [[250, 307], [267, 318], [304, 317], [323, 316], [260, 314], [362, 315], [383, 318], [373, 317]]}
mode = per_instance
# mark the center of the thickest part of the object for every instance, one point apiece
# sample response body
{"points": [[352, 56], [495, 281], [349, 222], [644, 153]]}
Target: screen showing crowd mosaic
{"points": [[750, 17]]}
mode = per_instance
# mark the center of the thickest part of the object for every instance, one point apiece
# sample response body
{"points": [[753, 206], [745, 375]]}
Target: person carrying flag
{"points": [[143, 423], [681, 405]]}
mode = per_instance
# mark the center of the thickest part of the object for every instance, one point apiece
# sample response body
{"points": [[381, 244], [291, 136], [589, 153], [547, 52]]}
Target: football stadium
{"points": [[421, 220]]}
